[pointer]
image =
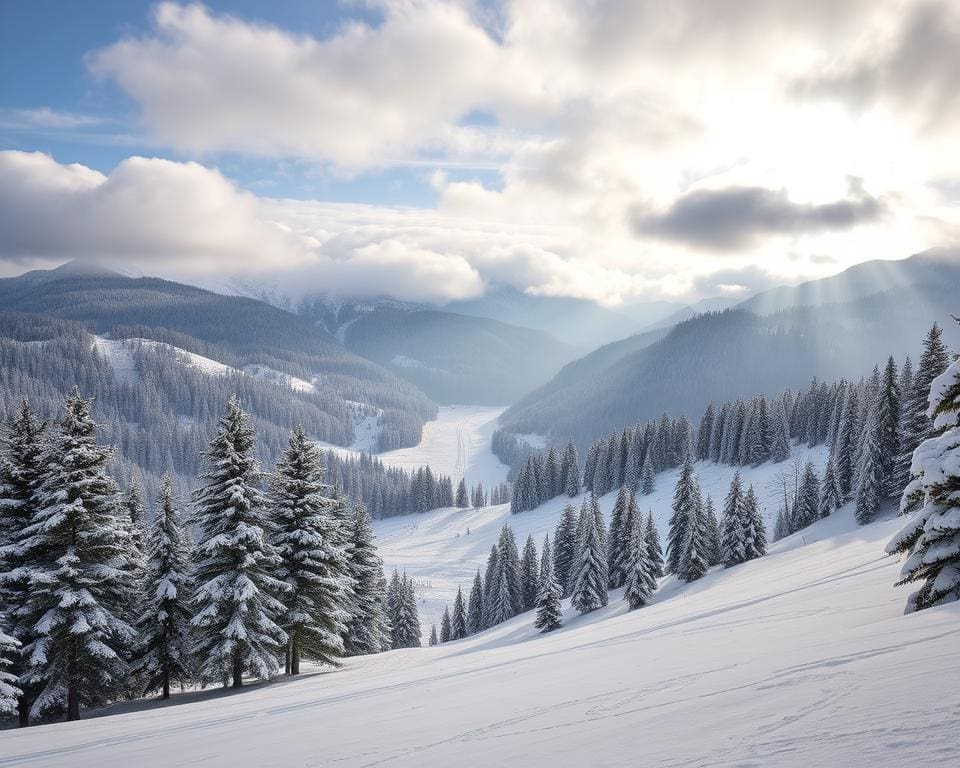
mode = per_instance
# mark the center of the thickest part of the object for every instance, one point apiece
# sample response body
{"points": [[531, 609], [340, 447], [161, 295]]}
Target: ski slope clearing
{"points": [[444, 548], [802, 658], [456, 443]]}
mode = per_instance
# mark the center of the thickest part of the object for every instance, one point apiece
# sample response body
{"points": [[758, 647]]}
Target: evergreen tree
{"points": [[830, 498], [462, 500], [475, 612], [780, 438], [21, 470], [756, 539], [619, 539], [590, 584], [734, 534], [549, 612], [684, 512], [887, 424], [570, 470], [163, 628], [713, 527], [782, 526], [445, 626], [458, 620], [236, 609], [634, 467], [529, 574], [9, 692], [368, 628], [806, 510], [909, 410], [133, 524], [79, 587], [406, 627], [641, 581], [695, 557], [847, 436], [314, 565], [758, 446], [647, 476], [508, 564], [565, 549], [490, 586], [654, 552], [433, 635], [705, 434], [869, 474], [931, 539]]}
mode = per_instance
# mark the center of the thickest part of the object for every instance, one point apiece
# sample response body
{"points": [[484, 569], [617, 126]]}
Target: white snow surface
{"points": [[802, 658], [437, 551], [456, 443]]}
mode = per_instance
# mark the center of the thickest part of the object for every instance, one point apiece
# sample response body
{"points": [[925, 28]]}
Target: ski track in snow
{"points": [[802, 658]]}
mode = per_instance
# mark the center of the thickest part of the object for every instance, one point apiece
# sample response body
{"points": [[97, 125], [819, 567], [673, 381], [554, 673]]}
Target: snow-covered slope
{"points": [[802, 658], [437, 550], [456, 443]]}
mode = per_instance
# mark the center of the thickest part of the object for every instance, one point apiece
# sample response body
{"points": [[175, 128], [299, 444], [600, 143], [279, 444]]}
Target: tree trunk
{"points": [[237, 671], [295, 659], [166, 685], [286, 658], [23, 711]]}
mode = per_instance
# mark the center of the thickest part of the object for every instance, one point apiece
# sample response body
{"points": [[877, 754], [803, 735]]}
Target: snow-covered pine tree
{"points": [[529, 576], [163, 654], [21, 469], [134, 525], [931, 539], [433, 635], [490, 586], [368, 629], [887, 424], [844, 466], [654, 552], [756, 540], [549, 613], [758, 446], [684, 512], [601, 474], [236, 605], [908, 409], [705, 433], [458, 619], [733, 535], [713, 526], [590, 583], [695, 559], [647, 475], [806, 510], [716, 437], [475, 610], [618, 545], [79, 587], [830, 498], [9, 692], [780, 438], [445, 626], [641, 577], [565, 549], [869, 474], [407, 627], [634, 466], [570, 470], [462, 500], [310, 540]]}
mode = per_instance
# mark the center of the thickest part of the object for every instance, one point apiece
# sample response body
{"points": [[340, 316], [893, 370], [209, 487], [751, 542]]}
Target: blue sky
{"points": [[42, 51], [618, 150]]}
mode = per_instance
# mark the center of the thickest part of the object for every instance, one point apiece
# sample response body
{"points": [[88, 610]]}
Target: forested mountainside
{"points": [[738, 353], [161, 359]]}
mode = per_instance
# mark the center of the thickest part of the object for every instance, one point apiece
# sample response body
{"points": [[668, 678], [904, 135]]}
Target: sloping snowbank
{"points": [[802, 658]]}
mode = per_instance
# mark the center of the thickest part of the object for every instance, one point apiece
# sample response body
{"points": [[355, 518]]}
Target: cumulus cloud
{"points": [[153, 213], [735, 217]]}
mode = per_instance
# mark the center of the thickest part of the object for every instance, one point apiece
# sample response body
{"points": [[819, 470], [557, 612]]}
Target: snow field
{"points": [[801, 658]]}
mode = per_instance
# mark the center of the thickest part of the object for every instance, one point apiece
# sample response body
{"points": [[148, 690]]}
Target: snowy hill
{"points": [[802, 658], [436, 550]]}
